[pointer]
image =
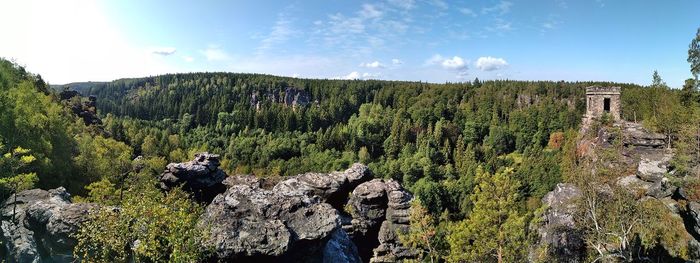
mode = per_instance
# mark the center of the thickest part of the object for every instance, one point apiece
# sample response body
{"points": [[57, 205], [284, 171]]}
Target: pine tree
{"points": [[494, 230]]}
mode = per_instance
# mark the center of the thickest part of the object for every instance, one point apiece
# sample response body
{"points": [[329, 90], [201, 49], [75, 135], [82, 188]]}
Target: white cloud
{"points": [[370, 11], [280, 33], [501, 8], [405, 4], [454, 63], [188, 58], [490, 63], [163, 51], [358, 75], [214, 53], [396, 62], [351, 75], [467, 11], [374, 64]]}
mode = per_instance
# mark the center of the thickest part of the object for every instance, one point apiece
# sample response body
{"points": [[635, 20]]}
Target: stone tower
{"points": [[600, 100]]}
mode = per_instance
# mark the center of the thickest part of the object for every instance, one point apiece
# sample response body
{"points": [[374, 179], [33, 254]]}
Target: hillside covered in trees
{"points": [[478, 156]]}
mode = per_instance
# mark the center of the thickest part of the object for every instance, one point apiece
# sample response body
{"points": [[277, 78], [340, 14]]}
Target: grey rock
{"points": [[672, 205], [43, 226], [637, 136], [369, 202], [201, 177], [633, 183], [558, 236], [390, 248], [693, 210], [358, 173], [253, 224], [340, 249], [247, 179], [653, 166], [661, 189], [332, 188]]}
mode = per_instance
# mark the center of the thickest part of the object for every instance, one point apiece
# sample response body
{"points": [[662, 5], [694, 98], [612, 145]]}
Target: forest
{"points": [[471, 152]]}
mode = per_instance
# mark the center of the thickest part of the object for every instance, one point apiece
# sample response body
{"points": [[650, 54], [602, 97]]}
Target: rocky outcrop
{"points": [[83, 109], [293, 97], [559, 240], [39, 226], [294, 221], [653, 165], [304, 219], [637, 136], [368, 204], [201, 177], [390, 248]]}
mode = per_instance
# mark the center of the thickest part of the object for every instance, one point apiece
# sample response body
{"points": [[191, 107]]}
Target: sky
{"points": [[417, 40]]}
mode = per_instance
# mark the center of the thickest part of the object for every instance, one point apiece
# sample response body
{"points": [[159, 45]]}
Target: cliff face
{"points": [[646, 173], [300, 219]]}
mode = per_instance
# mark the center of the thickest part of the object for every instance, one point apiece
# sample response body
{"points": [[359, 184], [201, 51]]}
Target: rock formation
{"points": [[559, 240], [83, 109], [390, 248], [300, 219], [201, 176], [295, 220], [39, 226], [293, 97], [303, 219], [646, 167]]}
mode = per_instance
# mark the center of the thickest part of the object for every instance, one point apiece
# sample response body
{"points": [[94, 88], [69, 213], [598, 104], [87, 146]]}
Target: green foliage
{"points": [[148, 226], [422, 235], [494, 230], [14, 176], [694, 55]]}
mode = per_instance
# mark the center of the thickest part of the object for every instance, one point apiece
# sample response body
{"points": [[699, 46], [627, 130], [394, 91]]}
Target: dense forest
{"points": [[471, 152]]}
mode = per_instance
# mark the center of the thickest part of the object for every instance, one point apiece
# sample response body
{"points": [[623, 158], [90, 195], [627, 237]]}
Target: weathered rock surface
{"points": [[390, 248], [201, 176], [40, 225], [249, 223], [661, 189], [332, 188], [635, 135], [294, 221], [557, 228], [653, 166]]}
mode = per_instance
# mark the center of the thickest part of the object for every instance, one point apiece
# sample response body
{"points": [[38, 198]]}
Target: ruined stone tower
{"points": [[600, 100]]}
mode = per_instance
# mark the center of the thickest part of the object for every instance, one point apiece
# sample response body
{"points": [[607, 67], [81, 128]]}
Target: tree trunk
{"points": [[500, 254]]}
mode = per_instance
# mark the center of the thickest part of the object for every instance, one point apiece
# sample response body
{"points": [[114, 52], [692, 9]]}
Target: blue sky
{"points": [[428, 40]]}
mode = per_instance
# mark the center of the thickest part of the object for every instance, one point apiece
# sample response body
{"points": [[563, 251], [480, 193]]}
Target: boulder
{"points": [[634, 184], [693, 216], [653, 166], [332, 188], [558, 237], [390, 248], [251, 224], [201, 177], [40, 225], [661, 189], [637, 136], [340, 249]]}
